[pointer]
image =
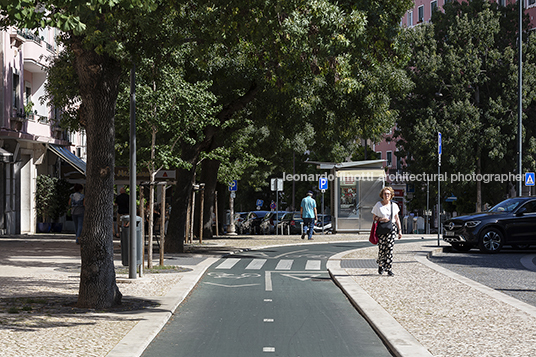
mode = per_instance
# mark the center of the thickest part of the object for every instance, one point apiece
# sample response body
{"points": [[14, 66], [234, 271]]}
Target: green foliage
{"points": [[44, 193], [465, 74], [60, 200], [51, 197]]}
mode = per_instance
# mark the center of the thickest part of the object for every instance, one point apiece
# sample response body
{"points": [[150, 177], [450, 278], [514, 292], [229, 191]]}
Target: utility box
{"points": [[125, 239]]}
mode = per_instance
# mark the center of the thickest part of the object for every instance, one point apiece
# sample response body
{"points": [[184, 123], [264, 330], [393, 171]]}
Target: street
{"points": [[511, 271], [278, 301]]}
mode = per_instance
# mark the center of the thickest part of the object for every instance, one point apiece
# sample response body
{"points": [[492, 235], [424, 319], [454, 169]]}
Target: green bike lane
{"points": [[278, 301]]}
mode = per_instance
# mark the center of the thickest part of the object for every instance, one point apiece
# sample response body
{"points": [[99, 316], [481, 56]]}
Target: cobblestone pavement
{"points": [[39, 283]]}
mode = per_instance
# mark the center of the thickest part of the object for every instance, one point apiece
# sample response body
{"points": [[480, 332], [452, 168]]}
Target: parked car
{"points": [[511, 222], [251, 225], [267, 225], [291, 223], [327, 224]]}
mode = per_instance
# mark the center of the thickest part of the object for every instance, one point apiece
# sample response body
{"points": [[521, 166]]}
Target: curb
{"points": [[141, 335]]}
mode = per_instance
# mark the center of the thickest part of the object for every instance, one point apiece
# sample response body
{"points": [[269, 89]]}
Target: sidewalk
{"points": [[423, 310]]}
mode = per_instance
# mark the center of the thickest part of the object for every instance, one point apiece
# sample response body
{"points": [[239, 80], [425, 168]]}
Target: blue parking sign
{"points": [[529, 179], [323, 183]]}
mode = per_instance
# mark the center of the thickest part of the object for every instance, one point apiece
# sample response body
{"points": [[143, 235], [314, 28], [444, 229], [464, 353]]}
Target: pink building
{"points": [[31, 141], [422, 11]]}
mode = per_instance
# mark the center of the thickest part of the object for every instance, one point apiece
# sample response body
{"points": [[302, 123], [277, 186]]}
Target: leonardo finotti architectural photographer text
{"points": [[407, 177]]}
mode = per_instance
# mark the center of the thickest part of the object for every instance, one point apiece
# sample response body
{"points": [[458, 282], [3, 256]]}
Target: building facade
{"points": [[422, 11], [31, 141]]}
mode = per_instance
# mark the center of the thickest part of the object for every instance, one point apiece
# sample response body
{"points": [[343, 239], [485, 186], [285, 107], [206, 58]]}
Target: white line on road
{"points": [[313, 265], [268, 349], [230, 286], [256, 264], [284, 264], [268, 320], [228, 263]]}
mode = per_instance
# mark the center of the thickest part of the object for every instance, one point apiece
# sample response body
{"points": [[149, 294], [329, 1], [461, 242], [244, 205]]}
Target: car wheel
{"points": [[492, 241], [461, 247]]}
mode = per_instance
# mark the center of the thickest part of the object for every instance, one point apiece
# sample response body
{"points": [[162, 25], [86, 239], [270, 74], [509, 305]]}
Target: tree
{"points": [[168, 108], [464, 68], [302, 50], [102, 38]]}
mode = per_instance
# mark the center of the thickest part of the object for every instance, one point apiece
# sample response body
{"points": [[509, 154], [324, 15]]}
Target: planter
{"points": [[43, 227], [57, 227]]}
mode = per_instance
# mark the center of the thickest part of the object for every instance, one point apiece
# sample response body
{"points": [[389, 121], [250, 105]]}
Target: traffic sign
{"points": [[259, 203], [439, 146], [276, 184], [323, 183], [529, 179], [233, 185]]}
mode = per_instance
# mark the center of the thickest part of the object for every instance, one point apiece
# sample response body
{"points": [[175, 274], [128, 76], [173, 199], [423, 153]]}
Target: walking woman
{"points": [[76, 201], [385, 211]]}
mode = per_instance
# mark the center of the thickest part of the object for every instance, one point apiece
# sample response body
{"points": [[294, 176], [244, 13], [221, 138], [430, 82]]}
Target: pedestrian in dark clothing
{"points": [[123, 203], [76, 202]]}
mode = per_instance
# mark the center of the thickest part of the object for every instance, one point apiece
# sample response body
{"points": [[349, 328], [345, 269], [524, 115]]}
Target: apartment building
{"points": [[31, 141], [422, 11]]}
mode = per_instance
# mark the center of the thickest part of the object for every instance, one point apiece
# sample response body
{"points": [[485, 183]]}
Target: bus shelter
{"points": [[354, 189]]}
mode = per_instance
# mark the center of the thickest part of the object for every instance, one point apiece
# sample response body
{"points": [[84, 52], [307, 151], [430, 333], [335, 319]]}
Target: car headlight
{"points": [[472, 224]]}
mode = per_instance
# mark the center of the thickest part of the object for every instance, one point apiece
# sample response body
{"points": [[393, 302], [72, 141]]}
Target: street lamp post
{"points": [[520, 101]]}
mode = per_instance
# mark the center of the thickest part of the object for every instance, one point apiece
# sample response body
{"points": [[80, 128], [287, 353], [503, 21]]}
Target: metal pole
{"points": [[231, 229], [427, 206], [216, 211], [439, 192], [132, 204], [323, 216], [277, 206], [520, 101], [201, 211], [162, 224]]}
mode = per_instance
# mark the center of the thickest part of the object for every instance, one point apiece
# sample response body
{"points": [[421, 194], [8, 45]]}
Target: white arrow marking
{"points": [[301, 277]]}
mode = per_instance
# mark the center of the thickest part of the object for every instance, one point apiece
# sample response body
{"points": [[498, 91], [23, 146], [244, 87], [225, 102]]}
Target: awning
{"points": [[72, 159]]}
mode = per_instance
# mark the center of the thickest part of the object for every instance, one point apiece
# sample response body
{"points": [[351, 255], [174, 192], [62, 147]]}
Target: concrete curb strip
{"points": [[137, 340], [397, 339]]}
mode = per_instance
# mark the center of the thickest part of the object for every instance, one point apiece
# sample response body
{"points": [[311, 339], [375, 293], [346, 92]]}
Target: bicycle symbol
{"points": [[218, 275]]}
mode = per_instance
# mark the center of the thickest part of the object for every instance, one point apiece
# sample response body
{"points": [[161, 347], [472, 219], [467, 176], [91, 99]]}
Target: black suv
{"points": [[511, 222]]}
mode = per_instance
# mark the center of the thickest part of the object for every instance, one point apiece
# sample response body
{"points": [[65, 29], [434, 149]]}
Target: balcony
{"points": [[17, 38]]}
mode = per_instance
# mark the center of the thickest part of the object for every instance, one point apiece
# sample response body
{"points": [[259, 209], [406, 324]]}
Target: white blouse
{"points": [[385, 211]]}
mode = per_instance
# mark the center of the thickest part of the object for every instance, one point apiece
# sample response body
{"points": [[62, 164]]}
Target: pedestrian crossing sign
{"points": [[529, 178]]}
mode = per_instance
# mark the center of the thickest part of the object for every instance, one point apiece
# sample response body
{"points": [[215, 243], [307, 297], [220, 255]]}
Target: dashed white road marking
{"points": [[284, 264], [256, 264], [313, 265], [228, 263]]}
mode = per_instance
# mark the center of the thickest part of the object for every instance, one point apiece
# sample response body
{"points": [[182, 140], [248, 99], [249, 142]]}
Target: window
{"points": [[421, 14], [389, 158], [16, 92], [531, 3], [502, 2], [433, 7], [410, 18]]}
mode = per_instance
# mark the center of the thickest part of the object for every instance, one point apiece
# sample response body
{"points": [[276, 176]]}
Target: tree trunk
{"points": [[186, 177], [99, 84], [209, 175], [174, 241]]}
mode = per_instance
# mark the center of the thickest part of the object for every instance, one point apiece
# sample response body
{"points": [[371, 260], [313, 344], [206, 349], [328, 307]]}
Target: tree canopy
{"points": [[464, 67]]}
